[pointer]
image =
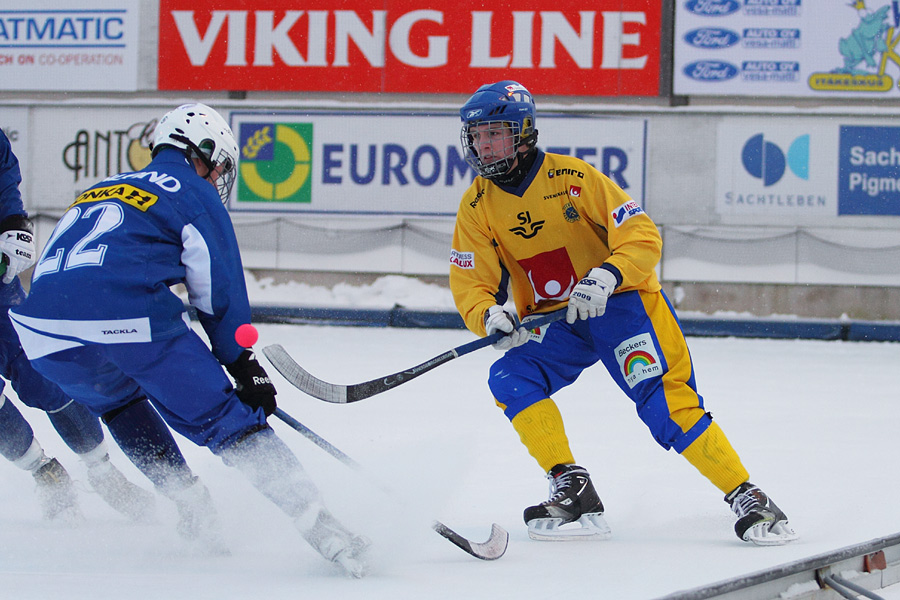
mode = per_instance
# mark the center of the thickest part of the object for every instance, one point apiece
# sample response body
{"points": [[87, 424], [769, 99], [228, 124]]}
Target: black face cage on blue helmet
{"points": [[505, 106]]}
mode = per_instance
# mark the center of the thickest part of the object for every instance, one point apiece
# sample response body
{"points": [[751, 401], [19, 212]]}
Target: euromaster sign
{"points": [[411, 164], [78, 45], [559, 47]]}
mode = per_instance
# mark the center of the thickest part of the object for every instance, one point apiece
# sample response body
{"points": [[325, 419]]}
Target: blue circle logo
{"points": [[766, 161]]}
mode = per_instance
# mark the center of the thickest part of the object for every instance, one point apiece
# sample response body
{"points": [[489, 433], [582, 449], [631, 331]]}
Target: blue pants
{"points": [[31, 387], [180, 376], [640, 343]]}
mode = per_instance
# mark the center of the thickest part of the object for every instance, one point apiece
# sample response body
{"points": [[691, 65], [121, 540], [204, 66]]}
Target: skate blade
{"points": [[778, 535], [355, 568], [354, 559], [589, 527]]}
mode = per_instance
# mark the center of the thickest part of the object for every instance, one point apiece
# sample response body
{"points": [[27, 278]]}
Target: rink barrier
{"points": [[398, 316], [871, 565]]}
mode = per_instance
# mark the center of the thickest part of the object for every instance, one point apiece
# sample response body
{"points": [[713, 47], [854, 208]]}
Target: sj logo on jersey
{"points": [[638, 359]]}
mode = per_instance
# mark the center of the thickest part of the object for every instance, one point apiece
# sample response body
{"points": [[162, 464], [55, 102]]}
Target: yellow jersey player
{"points": [[555, 232]]}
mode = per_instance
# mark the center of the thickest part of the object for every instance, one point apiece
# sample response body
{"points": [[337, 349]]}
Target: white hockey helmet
{"points": [[202, 133]]}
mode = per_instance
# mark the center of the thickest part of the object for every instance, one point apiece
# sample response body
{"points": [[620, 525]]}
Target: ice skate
{"points": [[124, 496], [335, 543], [760, 521], [198, 521], [574, 500], [57, 493]]}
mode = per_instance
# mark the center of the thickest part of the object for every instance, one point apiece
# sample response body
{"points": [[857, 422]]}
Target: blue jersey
{"points": [[10, 178], [105, 273]]}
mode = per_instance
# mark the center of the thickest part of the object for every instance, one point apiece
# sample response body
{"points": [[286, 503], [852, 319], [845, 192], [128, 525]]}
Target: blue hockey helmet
{"points": [[505, 111]]}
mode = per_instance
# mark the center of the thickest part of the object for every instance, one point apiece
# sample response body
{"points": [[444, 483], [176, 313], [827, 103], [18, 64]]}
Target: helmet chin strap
{"points": [[207, 162], [517, 174]]}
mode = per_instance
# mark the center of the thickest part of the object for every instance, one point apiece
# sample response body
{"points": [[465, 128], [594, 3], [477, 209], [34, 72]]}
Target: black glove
{"points": [[252, 384]]}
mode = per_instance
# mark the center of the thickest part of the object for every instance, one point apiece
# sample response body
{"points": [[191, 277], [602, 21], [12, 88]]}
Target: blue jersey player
{"points": [[78, 428], [119, 338]]}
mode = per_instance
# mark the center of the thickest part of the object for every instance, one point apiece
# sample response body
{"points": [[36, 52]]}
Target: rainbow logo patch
{"points": [[638, 359]]}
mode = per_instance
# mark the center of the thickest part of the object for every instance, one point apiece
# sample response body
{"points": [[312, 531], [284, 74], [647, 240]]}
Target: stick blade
{"points": [[302, 379], [492, 549]]}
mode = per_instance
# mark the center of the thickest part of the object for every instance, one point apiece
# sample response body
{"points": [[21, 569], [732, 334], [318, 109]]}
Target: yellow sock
{"points": [[541, 429], [713, 456]]}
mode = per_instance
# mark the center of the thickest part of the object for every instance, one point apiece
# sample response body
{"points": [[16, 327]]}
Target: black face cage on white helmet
{"points": [[203, 134], [222, 161]]}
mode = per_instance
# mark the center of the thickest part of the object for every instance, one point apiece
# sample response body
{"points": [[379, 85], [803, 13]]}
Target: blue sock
{"points": [[16, 434], [78, 428], [147, 442]]}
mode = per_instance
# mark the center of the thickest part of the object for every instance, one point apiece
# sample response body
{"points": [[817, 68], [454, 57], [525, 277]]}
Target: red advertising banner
{"points": [[553, 47]]}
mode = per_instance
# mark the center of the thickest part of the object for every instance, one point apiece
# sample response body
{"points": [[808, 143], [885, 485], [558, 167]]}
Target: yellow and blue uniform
{"points": [[536, 241]]}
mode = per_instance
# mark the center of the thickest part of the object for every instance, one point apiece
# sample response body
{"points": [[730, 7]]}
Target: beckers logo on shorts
{"points": [[638, 359]]}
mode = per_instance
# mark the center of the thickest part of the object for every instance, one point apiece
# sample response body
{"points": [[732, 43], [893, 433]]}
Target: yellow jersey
{"points": [[541, 238]]}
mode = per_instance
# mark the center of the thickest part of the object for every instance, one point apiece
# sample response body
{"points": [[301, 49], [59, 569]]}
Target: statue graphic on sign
{"points": [[868, 48], [865, 40]]}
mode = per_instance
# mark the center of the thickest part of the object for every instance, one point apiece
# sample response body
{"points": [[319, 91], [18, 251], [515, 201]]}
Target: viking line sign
{"points": [[560, 47]]}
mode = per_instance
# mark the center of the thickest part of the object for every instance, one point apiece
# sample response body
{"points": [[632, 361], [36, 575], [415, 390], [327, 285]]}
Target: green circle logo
{"points": [[276, 162]]}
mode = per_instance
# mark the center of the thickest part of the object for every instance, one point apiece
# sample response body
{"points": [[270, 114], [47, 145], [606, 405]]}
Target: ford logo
{"points": [[713, 8], [712, 37], [710, 70]]}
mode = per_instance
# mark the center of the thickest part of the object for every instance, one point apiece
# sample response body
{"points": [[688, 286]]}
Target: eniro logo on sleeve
{"points": [[638, 359], [463, 260]]}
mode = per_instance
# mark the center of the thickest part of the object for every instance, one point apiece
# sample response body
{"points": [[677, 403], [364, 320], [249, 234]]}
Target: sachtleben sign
{"points": [[560, 47]]}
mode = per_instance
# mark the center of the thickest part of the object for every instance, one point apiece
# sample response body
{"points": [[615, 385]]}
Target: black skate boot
{"points": [[57, 492], [573, 499], [759, 520]]}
